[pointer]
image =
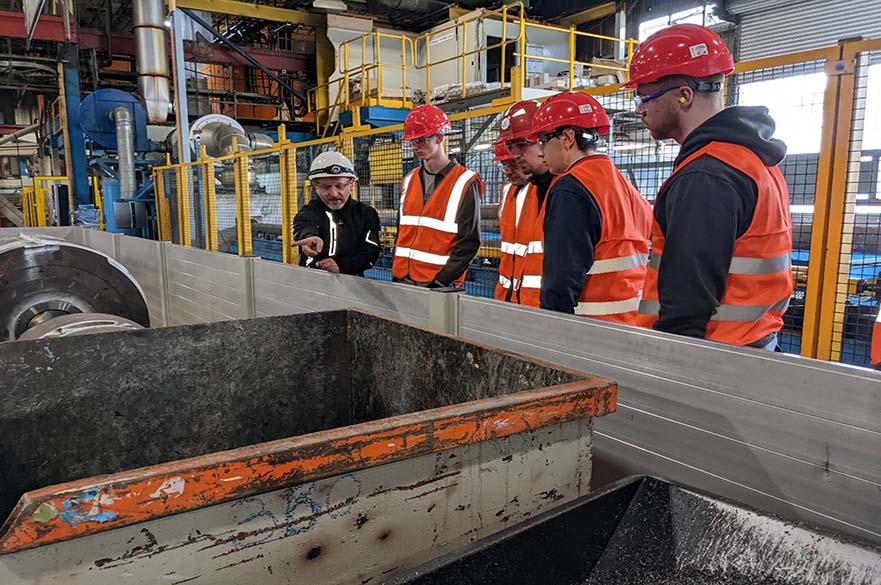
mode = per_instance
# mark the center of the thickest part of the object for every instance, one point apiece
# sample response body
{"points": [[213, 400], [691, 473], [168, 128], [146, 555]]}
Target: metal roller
{"points": [[79, 324], [43, 278]]}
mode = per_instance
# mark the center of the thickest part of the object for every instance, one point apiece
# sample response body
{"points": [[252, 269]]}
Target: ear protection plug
{"points": [[682, 100]]}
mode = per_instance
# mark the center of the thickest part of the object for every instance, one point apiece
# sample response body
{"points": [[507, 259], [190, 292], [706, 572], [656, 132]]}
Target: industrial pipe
{"points": [[152, 58], [125, 151], [18, 133]]}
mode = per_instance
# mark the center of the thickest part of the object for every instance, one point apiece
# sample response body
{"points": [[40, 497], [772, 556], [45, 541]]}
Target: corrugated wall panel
{"points": [[777, 27], [143, 258]]}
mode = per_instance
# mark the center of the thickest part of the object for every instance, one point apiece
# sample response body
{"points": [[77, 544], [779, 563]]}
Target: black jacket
{"points": [[573, 225], [350, 234], [701, 211]]}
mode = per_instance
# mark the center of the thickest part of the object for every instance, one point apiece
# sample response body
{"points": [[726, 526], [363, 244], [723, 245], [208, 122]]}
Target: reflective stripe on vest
{"points": [[333, 234], [531, 281], [421, 256], [743, 265], [618, 264], [735, 313], [607, 308], [504, 282], [448, 224], [533, 247]]}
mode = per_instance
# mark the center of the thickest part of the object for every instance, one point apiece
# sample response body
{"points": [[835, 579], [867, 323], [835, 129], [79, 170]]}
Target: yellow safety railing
{"points": [[512, 17], [417, 66], [370, 72], [571, 62], [33, 209], [188, 184], [34, 200]]}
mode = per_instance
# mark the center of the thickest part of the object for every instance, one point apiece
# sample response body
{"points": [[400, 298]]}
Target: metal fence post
{"points": [[243, 201], [443, 311]]}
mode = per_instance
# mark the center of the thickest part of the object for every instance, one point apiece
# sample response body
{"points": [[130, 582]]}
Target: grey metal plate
{"points": [[750, 425]]}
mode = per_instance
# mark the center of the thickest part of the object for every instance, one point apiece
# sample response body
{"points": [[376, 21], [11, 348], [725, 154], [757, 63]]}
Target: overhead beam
{"points": [[49, 28], [597, 12], [257, 11]]}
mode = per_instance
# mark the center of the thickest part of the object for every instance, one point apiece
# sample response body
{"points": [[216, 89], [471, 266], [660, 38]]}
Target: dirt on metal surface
{"points": [[139, 425], [649, 531]]}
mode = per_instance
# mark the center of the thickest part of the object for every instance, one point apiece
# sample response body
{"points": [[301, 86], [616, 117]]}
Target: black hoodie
{"points": [[701, 211]]}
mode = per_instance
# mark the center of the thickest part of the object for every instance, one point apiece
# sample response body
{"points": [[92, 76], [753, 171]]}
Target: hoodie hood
{"points": [[749, 126]]}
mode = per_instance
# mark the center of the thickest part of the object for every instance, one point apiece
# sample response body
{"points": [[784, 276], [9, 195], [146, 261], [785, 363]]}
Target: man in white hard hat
{"points": [[334, 232]]}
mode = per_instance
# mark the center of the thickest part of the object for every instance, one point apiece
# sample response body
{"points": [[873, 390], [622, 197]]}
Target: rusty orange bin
{"points": [[318, 448]]}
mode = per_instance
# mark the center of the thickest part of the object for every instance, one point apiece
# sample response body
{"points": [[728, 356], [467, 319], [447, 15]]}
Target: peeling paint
{"points": [[173, 488], [45, 513]]}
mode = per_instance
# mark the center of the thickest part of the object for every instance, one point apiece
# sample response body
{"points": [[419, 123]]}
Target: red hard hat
{"points": [[502, 153], [516, 123], [425, 121], [570, 108], [682, 49]]}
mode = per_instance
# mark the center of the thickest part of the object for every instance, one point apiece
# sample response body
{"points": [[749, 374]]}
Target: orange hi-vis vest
{"points": [[428, 231], [875, 357], [759, 280], [614, 283], [521, 226]]}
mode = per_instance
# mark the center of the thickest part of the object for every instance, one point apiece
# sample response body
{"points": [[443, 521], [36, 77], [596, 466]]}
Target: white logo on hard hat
{"points": [[506, 123], [698, 50], [336, 169], [585, 108]]}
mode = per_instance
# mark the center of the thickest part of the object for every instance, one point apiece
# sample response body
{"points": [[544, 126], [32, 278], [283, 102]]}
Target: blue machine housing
{"points": [[96, 118]]}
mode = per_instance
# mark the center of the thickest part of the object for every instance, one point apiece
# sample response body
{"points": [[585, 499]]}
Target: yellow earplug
{"points": [[682, 100]]}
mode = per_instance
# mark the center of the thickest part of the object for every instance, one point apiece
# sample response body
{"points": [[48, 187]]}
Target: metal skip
{"points": [[306, 448]]}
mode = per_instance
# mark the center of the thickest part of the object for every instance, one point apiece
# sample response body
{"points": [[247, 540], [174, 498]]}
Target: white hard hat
{"points": [[331, 164]]}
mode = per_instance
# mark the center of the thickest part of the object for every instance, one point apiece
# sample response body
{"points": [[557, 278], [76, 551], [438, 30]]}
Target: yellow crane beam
{"points": [[257, 11]]}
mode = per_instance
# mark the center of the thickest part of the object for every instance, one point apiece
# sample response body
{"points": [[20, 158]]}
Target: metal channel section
{"points": [[789, 435]]}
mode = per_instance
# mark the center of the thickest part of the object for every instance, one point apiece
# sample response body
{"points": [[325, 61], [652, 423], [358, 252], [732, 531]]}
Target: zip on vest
{"points": [[448, 224]]}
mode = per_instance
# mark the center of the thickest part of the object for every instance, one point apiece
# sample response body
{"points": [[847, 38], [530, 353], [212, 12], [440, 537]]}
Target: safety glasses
{"points": [[338, 187], [545, 138], [423, 140], [641, 100]]}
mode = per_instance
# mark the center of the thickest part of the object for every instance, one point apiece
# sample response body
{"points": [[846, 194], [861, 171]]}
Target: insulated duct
{"points": [[18, 134], [125, 151], [152, 57]]}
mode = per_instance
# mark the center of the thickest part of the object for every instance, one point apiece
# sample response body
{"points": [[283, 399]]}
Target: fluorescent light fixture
{"points": [[455, 150], [483, 147]]}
